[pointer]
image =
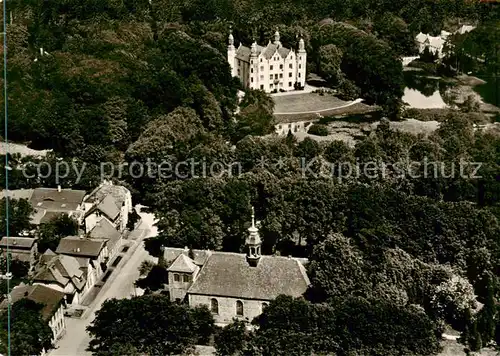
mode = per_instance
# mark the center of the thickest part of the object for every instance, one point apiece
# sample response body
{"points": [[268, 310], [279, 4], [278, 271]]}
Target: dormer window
{"points": [[177, 277]]}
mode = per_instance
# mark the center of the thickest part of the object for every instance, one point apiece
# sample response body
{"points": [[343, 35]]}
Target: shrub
{"points": [[318, 130]]}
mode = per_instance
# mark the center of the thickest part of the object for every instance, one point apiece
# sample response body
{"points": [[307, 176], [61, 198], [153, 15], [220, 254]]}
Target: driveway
{"points": [[119, 286]]}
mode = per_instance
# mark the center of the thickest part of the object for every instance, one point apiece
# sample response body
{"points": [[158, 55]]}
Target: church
{"points": [[272, 68], [233, 285]]}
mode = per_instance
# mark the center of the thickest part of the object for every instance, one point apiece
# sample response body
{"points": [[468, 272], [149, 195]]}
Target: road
{"points": [[76, 339]]}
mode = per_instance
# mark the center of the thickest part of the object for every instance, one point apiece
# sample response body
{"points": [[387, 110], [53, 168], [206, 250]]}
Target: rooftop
{"points": [[243, 52], [228, 274], [49, 297], [104, 229], [17, 242], [82, 247], [55, 200], [183, 264]]}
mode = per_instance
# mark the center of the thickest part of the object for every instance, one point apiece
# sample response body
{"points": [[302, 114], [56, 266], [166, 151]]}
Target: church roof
{"points": [[183, 264], [171, 253], [228, 274]]}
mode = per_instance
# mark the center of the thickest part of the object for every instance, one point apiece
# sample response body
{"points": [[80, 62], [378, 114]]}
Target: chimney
{"points": [[59, 188], [78, 249]]}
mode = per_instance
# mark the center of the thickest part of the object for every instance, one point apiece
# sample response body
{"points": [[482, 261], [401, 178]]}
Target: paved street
{"points": [[119, 285]]}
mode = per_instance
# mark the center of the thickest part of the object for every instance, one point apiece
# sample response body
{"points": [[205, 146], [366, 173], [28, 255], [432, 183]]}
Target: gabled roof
{"points": [[82, 247], [54, 200], [183, 264], [243, 52], [109, 207], [228, 274], [49, 297], [105, 229], [118, 192], [171, 253], [62, 269], [17, 242], [421, 37]]}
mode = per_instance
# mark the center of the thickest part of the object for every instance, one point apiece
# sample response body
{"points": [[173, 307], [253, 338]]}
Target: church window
{"points": [[214, 306], [185, 278], [281, 66], [239, 308], [270, 67], [177, 278]]}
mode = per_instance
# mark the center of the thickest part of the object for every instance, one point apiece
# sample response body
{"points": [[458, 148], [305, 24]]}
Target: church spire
{"points": [[231, 38], [253, 243]]}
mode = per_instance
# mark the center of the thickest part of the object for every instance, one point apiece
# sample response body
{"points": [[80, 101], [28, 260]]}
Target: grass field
{"points": [[306, 102]]}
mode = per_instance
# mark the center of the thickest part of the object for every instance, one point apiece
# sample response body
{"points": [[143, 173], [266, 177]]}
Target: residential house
{"points": [[96, 250], [20, 248], [234, 285], [109, 200], [53, 301], [104, 229], [73, 276]]}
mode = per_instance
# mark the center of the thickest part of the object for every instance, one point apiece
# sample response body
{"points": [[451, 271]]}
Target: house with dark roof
{"points": [[234, 285], [106, 230], [71, 275], [271, 68], [95, 250], [53, 301], [20, 248], [51, 202], [111, 201]]}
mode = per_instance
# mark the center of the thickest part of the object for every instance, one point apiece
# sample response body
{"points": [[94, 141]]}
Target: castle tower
{"points": [[253, 243], [301, 63], [231, 53], [252, 76], [277, 38]]}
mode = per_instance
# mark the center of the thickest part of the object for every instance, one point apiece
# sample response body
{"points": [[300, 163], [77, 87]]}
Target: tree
{"points": [[231, 340], [51, 232], [155, 279], [145, 267], [30, 334], [330, 58], [147, 324], [18, 216]]}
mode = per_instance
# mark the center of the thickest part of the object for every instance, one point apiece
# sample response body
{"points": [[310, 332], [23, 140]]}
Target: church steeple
{"points": [[253, 243]]}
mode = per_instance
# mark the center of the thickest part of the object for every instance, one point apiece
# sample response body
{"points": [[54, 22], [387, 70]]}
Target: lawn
{"points": [[305, 102]]}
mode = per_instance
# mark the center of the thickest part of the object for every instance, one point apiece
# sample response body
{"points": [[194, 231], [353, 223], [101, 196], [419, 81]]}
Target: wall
{"points": [[57, 324], [227, 307]]}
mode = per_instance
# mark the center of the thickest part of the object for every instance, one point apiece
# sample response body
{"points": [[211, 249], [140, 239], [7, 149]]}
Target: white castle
{"points": [[270, 68]]}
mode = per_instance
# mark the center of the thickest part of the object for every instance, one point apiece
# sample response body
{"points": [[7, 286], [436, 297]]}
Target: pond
{"points": [[424, 92]]}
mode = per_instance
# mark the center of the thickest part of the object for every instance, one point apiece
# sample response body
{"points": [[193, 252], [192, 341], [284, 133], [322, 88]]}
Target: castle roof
{"points": [[229, 274], [243, 52]]}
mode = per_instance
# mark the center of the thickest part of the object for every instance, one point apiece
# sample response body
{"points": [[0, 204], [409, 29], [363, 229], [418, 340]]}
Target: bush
{"points": [[348, 91], [318, 130]]}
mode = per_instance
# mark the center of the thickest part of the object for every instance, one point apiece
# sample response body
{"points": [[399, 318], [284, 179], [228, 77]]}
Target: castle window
{"points": [[270, 67], [281, 75], [290, 75], [239, 72], [261, 68], [271, 77], [251, 62], [276, 76], [300, 66], [239, 308], [261, 60], [214, 306], [299, 75], [262, 86], [186, 278], [281, 66], [300, 58], [239, 63], [290, 66], [251, 79], [251, 70], [177, 278], [261, 77]]}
